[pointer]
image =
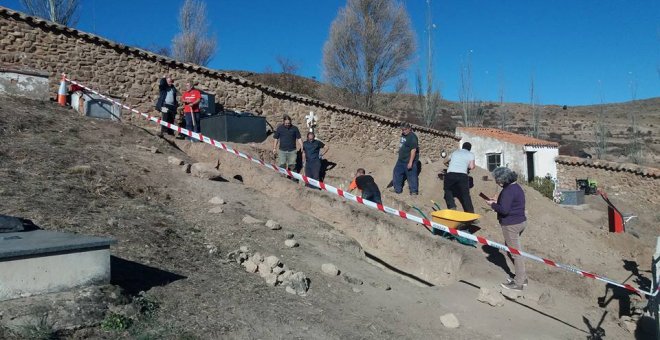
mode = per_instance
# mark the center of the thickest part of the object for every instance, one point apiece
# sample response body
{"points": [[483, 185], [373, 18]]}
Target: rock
{"points": [[185, 168], [205, 171], [217, 200], [290, 290], [216, 210], [271, 279], [272, 261], [264, 269], [449, 320], [357, 290], [243, 249], [242, 257], [257, 258], [250, 266], [113, 222], [489, 297], [278, 270], [291, 243], [330, 269], [510, 294], [251, 220], [174, 161], [289, 235], [272, 225], [351, 279], [285, 276], [379, 285], [300, 283]]}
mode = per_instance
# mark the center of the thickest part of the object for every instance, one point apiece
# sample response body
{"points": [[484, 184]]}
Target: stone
{"points": [[251, 220], [351, 279], [357, 290], [257, 258], [379, 285], [300, 283], [289, 235], [185, 168], [271, 279], [217, 200], [278, 270], [272, 225], [264, 269], [250, 266], [174, 161], [113, 222], [216, 210], [272, 261], [243, 249], [291, 243], [449, 320], [510, 294], [489, 297], [290, 290], [205, 171], [329, 269], [285, 276]]}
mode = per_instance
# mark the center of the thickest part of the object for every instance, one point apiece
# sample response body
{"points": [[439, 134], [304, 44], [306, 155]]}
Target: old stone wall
{"points": [[133, 74], [614, 178]]}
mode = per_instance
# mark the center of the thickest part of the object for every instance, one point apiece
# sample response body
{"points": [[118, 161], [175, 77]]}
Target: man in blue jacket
{"points": [[167, 103]]}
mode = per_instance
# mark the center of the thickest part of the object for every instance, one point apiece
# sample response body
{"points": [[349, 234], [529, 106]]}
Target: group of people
{"points": [[167, 104]]}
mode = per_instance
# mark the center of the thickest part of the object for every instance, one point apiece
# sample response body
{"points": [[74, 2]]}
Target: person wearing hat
{"points": [[406, 167]]}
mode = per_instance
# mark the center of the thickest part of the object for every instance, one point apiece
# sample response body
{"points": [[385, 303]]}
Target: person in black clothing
{"points": [[167, 103], [368, 186], [313, 150], [287, 136]]}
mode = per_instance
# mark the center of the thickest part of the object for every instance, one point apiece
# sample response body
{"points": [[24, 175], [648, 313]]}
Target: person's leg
{"points": [[512, 239], [449, 193], [189, 125], [413, 178], [313, 170], [373, 196], [281, 159], [398, 176], [291, 157], [171, 113], [463, 192], [164, 117]]}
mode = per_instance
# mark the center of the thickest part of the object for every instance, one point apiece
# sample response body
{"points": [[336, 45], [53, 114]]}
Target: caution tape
{"points": [[429, 225]]}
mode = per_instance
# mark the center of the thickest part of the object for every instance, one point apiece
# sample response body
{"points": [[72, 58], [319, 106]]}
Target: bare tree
{"points": [[601, 128], [289, 69], [193, 44], [473, 109], [370, 47], [534, 107], [429, 100], [635, 146], [504, 114], [62, 12]]}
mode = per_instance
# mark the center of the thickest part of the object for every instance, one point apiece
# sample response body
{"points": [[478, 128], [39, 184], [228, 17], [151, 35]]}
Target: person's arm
{"points": [[198, 98], [325, 149], [276, 139], [162, 86], [471, 165], [300, 143], [412, 158], [503, 206]]}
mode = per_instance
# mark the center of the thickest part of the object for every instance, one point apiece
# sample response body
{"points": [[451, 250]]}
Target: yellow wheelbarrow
{"points": [[454, 219]]}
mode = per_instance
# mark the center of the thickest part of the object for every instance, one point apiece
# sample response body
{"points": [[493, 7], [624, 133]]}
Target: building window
{"points": [[493, 160]]}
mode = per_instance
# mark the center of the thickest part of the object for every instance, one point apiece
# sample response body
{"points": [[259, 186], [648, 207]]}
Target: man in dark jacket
{"points": [[167, 103]]}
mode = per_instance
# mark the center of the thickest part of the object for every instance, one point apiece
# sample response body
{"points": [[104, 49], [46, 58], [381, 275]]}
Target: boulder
{"points": [[174, 161], [291, 243], [273, 225], [272, 261], [329, 269], [250, 266], [490, 297], [449, 320], [299, 283], [217, 200], [205, 171], [257, 258], [264, 269], [271, 279]]}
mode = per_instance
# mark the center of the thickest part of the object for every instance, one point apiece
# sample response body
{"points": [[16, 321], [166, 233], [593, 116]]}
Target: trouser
{"points": [[287, 159], [402, 173], [189, 124], [313, 170], [373, 196], [458, 185], [169, 118], [512, 239]]}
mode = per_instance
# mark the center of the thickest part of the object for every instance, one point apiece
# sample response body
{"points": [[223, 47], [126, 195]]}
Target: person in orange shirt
{"points": [[191, 99], [368, 186]]}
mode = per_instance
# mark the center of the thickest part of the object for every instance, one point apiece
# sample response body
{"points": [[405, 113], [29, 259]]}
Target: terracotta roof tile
{"points": [[508, 136], [646, 171]]}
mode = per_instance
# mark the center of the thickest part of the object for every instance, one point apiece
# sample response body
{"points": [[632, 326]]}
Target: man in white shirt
{"points": [[457, 183]]}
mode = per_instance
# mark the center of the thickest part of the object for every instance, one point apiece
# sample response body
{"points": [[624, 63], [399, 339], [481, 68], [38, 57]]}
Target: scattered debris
{"points": [[330, 269], [449, 320], [251, 220], [272, 225], [490, 297], [174, 161], [272, 270], [291, 243]]}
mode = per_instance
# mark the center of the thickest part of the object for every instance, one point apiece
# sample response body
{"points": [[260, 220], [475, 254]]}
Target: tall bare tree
{"points": [[534, 107], [193, 44], [62, 12], [504, 114], [370, 47], [635, 146], [601, 128], [429, 100], [473, 109]]}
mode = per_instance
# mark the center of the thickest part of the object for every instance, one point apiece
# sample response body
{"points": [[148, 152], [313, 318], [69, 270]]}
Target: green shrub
{"points": [[116, 322], [544, 185], [145, 305]]}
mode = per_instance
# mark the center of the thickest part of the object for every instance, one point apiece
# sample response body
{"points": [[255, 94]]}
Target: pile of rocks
{"points": [[271, 269]]}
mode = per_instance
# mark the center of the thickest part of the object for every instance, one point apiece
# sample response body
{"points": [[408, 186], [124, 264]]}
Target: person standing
{"points": [[313, 150], [367, 185], [406, 167], [510, 208], [457, 182], [167, 103], [191, 98], [287, 137]]}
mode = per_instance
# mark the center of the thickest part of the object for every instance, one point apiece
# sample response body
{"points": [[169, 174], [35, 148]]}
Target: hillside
{"points": [[573, 127], [71, 173]]}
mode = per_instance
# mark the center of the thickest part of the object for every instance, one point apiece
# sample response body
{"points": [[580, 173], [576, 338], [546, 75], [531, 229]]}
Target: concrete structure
{"points": [[529, 157], [93, 105], [40, 261], [23, 82]]}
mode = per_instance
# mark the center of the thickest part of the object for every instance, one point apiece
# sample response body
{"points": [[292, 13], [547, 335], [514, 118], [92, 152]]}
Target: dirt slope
{"points": [[71, 173]]}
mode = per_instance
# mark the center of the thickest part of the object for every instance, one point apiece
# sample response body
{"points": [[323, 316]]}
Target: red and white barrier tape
{"points": [[425, 222]]}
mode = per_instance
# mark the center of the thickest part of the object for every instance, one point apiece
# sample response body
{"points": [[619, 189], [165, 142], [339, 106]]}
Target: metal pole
{"points": [[653, 302]]}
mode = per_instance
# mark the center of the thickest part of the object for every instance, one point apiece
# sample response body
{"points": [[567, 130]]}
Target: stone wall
{"points": [[612, 177], [133, 74]]}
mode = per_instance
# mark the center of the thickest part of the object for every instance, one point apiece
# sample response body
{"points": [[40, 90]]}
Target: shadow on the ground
{"points": [[497, 258], [397, 270], [134, 277]]}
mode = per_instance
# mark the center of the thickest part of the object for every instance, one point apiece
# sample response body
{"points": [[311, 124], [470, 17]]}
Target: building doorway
{"points": [[530, 166]]}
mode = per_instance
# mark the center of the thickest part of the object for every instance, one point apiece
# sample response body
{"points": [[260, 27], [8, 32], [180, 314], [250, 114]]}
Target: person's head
{"points": [[406, 128], [190, 84], [359, 172], [504, 176], [310, 136], [286, 120], [467, 146], [169, 80]]}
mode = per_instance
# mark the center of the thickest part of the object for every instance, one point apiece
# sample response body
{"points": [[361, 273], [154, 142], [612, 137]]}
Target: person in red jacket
{"points": [[191, 99]]}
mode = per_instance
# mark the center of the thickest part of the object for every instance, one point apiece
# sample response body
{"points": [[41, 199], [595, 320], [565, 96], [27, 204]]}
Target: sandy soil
{"points": [[70, 173]]}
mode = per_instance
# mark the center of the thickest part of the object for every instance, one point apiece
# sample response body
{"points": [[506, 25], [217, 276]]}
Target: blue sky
{"points": [[568, 45]]}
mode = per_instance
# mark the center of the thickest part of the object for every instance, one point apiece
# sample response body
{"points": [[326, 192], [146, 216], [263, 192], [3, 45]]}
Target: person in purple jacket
{"points": [[510, 208]]}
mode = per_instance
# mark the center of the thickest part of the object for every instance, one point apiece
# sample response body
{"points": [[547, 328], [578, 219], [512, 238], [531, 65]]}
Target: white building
{"points": [[529, 157]]}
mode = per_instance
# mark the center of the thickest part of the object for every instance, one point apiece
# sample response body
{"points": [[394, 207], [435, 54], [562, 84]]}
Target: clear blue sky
{"points": [[569, 45]]}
